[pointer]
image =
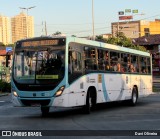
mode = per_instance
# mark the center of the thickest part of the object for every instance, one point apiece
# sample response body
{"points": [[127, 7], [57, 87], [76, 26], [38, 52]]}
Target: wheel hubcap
{"points": [[90, 101], [134, 97]]}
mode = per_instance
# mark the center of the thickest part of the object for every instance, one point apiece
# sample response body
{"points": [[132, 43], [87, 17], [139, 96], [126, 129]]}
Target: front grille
{"points": [[36, 102], [27, 87]]}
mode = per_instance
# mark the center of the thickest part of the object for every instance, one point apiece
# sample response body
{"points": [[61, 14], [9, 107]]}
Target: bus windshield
{"points": [[38, 65]]}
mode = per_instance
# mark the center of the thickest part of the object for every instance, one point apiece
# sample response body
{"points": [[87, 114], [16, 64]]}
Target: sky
{"points": [[74, 17]]}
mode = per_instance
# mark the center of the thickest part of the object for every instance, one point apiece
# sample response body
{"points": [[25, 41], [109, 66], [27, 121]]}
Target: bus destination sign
{"points": [[40, 43]]}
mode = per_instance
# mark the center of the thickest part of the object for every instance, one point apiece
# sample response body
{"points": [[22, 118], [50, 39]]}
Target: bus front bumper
{"points": [[60, 101]]}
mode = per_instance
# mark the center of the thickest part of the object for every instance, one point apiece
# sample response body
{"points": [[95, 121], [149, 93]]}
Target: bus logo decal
{"points": [[81, 85], [126, 79], [99, 78]]}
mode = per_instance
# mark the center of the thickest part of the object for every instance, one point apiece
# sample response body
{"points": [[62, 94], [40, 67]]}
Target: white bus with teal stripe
{"points": [[75, 72]]}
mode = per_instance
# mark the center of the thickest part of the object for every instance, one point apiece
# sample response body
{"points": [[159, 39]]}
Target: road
{"points": [[110, 116]]}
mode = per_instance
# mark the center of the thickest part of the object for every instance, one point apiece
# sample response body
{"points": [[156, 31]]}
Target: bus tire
{"points": [[90, 101], [45, 111], [87, 107], [134, 98]]}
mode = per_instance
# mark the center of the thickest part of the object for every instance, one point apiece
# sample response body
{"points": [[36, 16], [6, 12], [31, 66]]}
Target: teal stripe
{"points": [[104, 89]]}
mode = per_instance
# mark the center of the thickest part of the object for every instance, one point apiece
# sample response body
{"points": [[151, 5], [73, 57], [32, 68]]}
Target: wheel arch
{"points": [[94, 92]]}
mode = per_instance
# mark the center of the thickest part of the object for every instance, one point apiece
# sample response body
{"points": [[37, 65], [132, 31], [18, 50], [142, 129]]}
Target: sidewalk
{"points": [[4, 94]]}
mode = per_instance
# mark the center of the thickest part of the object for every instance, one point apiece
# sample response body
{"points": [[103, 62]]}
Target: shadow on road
{"points": [[59, 113]]}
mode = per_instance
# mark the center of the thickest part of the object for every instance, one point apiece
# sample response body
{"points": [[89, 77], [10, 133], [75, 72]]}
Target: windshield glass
{"points": [[38, 65]]}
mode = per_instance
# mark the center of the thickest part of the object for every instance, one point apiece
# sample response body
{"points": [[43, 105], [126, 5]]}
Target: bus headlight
{"points": [[14, 91], [15, 94], [60, 91]]}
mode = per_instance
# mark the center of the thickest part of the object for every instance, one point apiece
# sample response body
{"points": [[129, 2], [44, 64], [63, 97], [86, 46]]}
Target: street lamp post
{"points": [[23, 8], [93, 18]]}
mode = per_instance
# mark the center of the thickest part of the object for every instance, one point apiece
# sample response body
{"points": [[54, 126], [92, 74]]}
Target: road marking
{"points": [[2, 101]]}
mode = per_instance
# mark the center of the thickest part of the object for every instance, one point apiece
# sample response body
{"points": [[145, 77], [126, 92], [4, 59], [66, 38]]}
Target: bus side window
{"points": [[74, 62], [90, 59], [102, 60], [106, 61], [70, 62], [115, 61], [143, 65], [134, 64]]}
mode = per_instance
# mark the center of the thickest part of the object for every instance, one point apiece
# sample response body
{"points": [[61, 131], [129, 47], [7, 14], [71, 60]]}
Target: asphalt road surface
{"points": [[111, 116]]}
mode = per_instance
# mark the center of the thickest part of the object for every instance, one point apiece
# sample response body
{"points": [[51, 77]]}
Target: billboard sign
{"points": [[134, 11], [127, 10], [121, 13], [125, 17]]}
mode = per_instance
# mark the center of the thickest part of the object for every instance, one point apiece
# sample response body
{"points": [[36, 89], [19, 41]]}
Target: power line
{"points": [[82, 24], [67, 24], [150, 17]]}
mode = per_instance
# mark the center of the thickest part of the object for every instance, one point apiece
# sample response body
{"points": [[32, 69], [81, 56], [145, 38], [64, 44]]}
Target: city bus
{"points": [[76, 72]]}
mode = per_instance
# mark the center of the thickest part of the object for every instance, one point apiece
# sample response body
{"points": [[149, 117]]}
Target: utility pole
{"points": [[93, 19], [45, 28]]}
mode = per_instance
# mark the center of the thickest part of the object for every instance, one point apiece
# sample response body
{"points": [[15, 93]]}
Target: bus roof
{"points": [[91, 42], [107, 46], [41, 38]]}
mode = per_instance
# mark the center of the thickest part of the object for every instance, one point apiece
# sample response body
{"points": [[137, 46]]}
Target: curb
{"points": [[4, 94]]}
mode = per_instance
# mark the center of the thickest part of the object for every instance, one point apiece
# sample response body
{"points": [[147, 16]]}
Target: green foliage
{"points": [[2, 44], [10, 45], [122, 40], [100, 37], [73, 35], [5, 87], [57, 33]]}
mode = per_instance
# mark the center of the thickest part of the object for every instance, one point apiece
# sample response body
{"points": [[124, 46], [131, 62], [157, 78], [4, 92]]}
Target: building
{"points": [[5, 35], [22, 27], [136, 29], [106, 36], [152, 43]]}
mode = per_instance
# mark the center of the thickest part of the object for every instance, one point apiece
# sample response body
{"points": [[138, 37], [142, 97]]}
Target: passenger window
{"points": [[106, 60], [75, 61], [125, 61], [134, 67], [115, 62], [143, 62], [101, 65], [90, 59]]}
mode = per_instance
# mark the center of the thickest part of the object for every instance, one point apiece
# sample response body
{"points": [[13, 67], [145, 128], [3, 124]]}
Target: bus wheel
{"points": [[45, 111], [87, 107], [134, 99], [90, 101]]}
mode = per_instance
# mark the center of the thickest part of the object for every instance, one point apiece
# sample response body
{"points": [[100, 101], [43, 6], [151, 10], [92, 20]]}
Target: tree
{"points": [[122, 40], [73, 35], [10, 45], [2, 44], [57, 33], [100, 37]]}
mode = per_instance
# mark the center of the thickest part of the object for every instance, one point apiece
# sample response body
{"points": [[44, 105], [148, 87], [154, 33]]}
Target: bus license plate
{"points": [[35, 104]]}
